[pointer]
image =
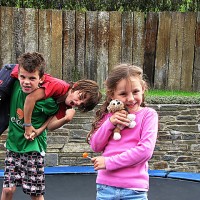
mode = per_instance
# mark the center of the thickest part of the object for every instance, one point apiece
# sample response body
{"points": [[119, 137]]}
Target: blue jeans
{"points": [[105, 192]]}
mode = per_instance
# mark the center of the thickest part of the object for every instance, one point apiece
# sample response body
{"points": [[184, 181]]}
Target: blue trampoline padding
{"points": [[185, 175], [90, 170], [1, 172], [65, 170], [176, 175], [157, 173], [69, 169]]}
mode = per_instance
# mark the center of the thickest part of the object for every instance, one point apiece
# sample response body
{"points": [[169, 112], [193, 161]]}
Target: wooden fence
{"points": [[87, 45]]}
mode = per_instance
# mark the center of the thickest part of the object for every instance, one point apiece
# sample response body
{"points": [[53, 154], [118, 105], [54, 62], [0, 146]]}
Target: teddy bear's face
{"points": [[115, 105]]}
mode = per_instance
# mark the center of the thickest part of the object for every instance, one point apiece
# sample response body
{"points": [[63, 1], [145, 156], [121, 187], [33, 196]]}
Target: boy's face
{"points": [[75, 99], [29, 81]]}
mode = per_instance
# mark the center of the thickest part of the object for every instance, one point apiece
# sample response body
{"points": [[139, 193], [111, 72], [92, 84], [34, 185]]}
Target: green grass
{"points": [[172, 97], [172, 93], [169, 97]]}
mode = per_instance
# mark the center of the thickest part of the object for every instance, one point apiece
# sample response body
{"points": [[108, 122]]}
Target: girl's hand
{"points": [[99, 162], [69, 114], [120, 117]]}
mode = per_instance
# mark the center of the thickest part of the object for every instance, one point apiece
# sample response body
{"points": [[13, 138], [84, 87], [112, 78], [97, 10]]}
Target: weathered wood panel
{"points": [[87, 45], [45, 33], [80, 43], [196, 73], [188, 51], [115, 37], [6, 32], [70, 72], [19, 46], [162, 51], [1, 63], [175, 51], [138, 39], [91, 45], [150, 46], [56, 50], [31, 30], [102, 50], [127, 37]]}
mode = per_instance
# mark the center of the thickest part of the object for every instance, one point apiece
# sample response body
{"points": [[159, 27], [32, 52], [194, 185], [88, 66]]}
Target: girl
{"points": [[123, 166]]}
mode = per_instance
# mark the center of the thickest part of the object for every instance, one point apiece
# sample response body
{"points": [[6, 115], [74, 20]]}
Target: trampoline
{"points": [[78, 183]]}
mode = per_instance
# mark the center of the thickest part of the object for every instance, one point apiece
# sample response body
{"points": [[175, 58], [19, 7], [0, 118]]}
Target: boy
{"points": [[24, 162], [83, 94]]}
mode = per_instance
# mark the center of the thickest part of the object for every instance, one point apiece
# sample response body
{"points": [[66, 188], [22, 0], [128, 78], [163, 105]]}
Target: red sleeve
{"points": [[61, 112]]}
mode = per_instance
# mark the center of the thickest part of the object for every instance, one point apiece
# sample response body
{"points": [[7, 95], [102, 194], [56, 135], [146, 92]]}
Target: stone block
{"points": [[51, 159]]}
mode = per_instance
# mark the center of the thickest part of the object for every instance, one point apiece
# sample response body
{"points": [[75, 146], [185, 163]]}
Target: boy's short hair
{"points": [[32, 61], [90, 90]]}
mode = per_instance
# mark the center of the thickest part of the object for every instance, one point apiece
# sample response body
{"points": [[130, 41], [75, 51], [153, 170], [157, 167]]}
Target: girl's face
{"points": [[29, 81], [130, 93], [75, 99]]}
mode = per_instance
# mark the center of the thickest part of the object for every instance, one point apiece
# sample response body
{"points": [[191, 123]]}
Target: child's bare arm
{"points": [[38, 131], [29, 104], [57, 123]]}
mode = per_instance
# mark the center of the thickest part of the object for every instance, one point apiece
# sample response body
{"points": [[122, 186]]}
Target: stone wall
{"points": [[177, 148], [178, 143]]}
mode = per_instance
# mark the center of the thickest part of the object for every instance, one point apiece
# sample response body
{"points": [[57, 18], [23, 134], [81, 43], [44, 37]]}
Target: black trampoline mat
{"points": [[173, 189], [83, 187]]}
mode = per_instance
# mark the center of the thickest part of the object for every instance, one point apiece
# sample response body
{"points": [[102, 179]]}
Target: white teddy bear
{"points": [[116, 105]]}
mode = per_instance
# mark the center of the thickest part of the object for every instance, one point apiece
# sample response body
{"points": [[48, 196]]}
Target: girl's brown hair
{"points": [[121, 71]]}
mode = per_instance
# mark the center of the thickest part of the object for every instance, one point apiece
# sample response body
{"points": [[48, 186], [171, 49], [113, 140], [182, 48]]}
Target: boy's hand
{"points": [[69, 114], [29, 131], [32, 136]]}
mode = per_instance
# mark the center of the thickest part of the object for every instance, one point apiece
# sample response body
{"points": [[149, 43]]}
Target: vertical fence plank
{"points": [[196, 73], [115, 36], [31, 30], [6, 31], [91, 45], [150, 46], [56, 50], [80, 43], [1, 63], [45, 31], [188, 51], [175, 52], [70, 72], [162, 51], [127, 37], [102, 50], [19, 45], [138, 39]]}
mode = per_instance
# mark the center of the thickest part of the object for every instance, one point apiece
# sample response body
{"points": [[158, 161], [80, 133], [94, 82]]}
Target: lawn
{"points": [[172, 93], [172, 97]]}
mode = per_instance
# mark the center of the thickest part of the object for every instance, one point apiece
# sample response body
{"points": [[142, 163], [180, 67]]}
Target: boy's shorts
{"points": [[26, 170]]}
